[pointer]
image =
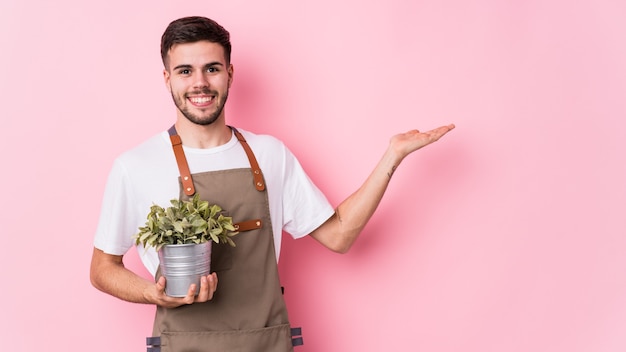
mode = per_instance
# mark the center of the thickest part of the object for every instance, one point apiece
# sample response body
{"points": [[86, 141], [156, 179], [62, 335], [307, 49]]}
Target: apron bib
{"points": [[247, 312]]}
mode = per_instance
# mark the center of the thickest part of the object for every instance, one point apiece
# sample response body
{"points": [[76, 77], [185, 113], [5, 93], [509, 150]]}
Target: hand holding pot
{"points": [[208, 285]]}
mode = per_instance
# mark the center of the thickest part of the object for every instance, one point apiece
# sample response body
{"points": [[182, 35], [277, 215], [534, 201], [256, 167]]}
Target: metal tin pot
{"points": [[183, 265]]}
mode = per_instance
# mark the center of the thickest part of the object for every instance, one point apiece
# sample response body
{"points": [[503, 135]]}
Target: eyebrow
{"points": [[187, 66]]}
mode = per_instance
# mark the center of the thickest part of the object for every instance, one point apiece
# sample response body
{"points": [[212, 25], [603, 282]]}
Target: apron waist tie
{"points": [[153, 344], [296, 337]]}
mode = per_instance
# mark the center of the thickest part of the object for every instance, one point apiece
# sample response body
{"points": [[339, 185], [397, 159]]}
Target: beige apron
{"points": [[247, 312]]}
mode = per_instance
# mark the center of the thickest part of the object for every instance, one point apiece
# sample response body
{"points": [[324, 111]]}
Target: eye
{"points": [[184, 71], [212, 69]]}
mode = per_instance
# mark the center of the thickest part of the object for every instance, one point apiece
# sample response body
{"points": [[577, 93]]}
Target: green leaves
{"points": [[192, 221]]}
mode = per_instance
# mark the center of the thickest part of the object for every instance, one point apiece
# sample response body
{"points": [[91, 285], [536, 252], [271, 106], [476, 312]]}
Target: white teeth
{"points": [[201, 100]]}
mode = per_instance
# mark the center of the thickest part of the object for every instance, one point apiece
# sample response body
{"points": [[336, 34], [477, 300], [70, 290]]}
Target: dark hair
{"points": [[194, 29]]}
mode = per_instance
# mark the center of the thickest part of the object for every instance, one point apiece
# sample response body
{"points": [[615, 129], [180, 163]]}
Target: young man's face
{"points": [[198, 78]]}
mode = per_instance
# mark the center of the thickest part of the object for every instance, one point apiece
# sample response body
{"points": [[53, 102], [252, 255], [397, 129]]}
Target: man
{"points": [[198, 74]]}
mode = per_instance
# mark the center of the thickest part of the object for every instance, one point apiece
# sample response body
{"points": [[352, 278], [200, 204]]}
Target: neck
{"points": [[203, 136]]}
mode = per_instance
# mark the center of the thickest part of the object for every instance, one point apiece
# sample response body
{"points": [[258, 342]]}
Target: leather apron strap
{"points": [[181, 160], [183, 166], [257, 175]]}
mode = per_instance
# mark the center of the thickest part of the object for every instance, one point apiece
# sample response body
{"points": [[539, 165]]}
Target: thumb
{"points": [[160, 284]]}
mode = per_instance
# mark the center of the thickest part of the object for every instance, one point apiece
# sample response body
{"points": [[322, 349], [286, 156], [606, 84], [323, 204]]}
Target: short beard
{"points": [[200, 121]]}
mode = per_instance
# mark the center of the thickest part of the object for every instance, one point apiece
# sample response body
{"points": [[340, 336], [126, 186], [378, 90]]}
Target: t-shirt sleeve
{"points": [[114, 231], [305, 207]]}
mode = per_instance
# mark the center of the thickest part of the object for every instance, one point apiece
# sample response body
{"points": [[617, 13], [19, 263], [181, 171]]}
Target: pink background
{"points": [[508, 235]]}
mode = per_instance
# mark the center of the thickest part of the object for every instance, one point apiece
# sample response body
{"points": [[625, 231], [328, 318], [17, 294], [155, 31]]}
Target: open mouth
{"points": [[201, 100]]}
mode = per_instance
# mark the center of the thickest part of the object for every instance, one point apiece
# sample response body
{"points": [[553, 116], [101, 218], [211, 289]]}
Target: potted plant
{"points": [[182, 235]]}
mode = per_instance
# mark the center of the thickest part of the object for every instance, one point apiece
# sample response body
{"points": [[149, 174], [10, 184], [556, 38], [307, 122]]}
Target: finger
{"points": [[160, 284], [203, 295], [208, 286], [440, 131], [212, 280], [165, 300], [445, 128], [191, 294]]}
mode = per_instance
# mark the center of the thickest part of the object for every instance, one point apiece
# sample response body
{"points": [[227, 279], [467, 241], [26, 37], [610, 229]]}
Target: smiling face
{"points": [[198, 77]]}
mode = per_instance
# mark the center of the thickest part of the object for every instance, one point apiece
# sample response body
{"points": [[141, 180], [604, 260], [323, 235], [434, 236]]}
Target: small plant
{"points": [[192, 221]]}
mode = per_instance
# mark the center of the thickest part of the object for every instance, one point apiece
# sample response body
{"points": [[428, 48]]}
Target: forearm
{"points": [[351, 216], [109, 275]]}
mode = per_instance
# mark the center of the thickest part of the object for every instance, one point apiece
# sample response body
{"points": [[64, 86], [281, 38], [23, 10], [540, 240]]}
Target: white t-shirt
{"points": [[148, 174]]}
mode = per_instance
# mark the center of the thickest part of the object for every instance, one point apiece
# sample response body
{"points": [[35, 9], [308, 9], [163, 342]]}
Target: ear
{"points": [[166, 78], [231, 72]]}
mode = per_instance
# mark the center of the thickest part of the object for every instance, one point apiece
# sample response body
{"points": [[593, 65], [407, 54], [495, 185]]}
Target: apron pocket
{"points": [[272, 339], [221, 257]]}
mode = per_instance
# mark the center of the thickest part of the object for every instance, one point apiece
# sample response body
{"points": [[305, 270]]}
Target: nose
{"points": [[200, 80]]}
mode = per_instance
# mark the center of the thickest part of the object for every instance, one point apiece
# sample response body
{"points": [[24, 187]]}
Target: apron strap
{"points": [[248, 225], [256, 170], [183, 167], [181, 160]]}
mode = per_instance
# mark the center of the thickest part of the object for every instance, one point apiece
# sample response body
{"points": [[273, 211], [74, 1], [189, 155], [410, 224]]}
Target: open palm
{"points": [[406, 143]]}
